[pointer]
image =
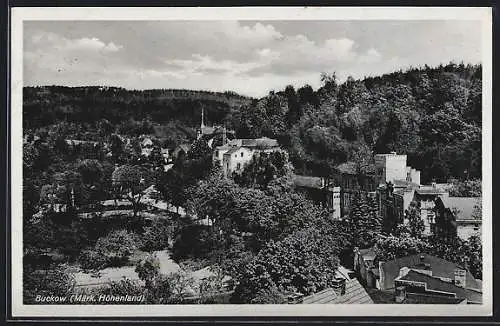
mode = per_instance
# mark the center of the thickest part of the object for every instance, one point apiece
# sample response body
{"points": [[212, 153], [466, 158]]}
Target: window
{"points": [[238, 166], [241, 154], [430, 217]]}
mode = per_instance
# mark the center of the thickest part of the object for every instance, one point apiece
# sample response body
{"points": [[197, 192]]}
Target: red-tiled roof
{"points": [[439, 267]]}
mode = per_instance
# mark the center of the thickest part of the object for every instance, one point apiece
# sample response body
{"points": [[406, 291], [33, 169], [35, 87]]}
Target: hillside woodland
{"points": [[260, 230]]}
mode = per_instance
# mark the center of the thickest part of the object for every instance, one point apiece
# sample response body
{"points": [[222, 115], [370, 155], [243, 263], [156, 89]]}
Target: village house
{"points": [[210, 134], [320, 192], [237, 153], [342, 292], [90, 148], [455, 217], [351, 183], [181, 150], [345, 289], [146, 146], [419, 274]]}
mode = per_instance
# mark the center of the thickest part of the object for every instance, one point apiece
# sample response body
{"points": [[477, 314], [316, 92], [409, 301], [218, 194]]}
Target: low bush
{"points": [[112, 250], [194, 241], [157, 235], [92, 260], [56, 281]]}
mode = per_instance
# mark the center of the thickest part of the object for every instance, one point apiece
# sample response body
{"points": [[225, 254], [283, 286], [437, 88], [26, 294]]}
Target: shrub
{"points": [[148, 270], [56, 282], [194, 241], [156, 236], [122, 287], [117, 246], [113, 249], [269, 296], [92, 260]]}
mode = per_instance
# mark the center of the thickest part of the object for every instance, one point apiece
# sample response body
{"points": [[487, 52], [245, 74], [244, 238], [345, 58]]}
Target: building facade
{"points": [[234, 155], [321, 192]]}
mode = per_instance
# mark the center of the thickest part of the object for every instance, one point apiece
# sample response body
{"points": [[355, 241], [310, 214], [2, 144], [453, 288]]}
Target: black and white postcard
{"points": [[251, 162]]}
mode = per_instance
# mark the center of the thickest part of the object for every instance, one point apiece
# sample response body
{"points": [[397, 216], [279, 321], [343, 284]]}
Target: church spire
{"points": [[202, 120]]}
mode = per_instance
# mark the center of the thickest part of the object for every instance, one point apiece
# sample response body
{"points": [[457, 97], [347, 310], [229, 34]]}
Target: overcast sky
{"points": [[249, 57]]}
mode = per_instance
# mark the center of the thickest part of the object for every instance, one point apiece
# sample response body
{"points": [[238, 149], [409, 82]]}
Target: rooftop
{"points": [[350, 167], [405, 184], [430, 190], [308, 182], [436, 284], [235, 149], [439, 267], [464, 206], [368, 253], [411, 298], [355, 293], [185, 147]]}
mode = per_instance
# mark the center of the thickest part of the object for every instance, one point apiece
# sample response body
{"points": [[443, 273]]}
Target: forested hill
{"points": [[46, 104], [432, 114]]}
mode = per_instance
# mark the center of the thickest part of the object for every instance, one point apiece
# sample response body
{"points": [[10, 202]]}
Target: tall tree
{"points": [[130, 181]]}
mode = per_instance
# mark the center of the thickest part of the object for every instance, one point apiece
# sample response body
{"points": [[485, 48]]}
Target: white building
{"points": [[234, 155], [391, 167]]}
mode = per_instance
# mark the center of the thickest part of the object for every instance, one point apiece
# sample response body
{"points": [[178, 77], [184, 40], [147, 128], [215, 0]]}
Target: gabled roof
{"points": [[236, 149], [464, 205], [405, 184], [355, 293], [207, 130], [368, 253], [307, 182], [439, 267], [350, 167], [429, 190], [80, 142], [262, 142], [325, 296], [436, 284], [146, 141], [185, 147]]}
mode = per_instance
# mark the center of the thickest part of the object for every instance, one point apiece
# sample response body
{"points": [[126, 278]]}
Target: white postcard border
{"points": [[18, 15]]}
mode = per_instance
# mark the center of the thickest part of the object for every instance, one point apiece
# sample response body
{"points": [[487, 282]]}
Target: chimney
{"points": [[338, 285], [460, 277], [295, 298], [224, 136], [400, 294], [403, 271]]}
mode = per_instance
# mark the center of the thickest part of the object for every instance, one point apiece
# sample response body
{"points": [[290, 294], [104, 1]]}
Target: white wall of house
{"points": [[236, 161], [390, 167], [218, 155], [465, 231]]}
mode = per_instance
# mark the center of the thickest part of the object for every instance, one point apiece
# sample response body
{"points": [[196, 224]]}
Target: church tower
{"points": [[202, 125]]}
